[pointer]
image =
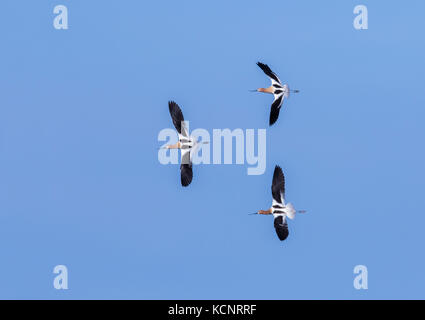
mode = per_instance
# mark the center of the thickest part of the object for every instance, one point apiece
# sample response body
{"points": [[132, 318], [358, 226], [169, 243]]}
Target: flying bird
{"points": [[187, 144], [279, 209], [279, 91]]}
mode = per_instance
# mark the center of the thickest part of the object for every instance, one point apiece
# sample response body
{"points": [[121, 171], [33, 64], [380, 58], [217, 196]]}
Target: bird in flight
{"points": [[279, 209], [188, 145], [279, 91]]}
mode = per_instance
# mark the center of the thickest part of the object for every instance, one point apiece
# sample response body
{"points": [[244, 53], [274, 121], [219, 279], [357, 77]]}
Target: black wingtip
{"points": [[176, 115], [274, 115], [281, 228], [186, 174], [171, 104], [277, 171], [263, 66], [185, 182]]}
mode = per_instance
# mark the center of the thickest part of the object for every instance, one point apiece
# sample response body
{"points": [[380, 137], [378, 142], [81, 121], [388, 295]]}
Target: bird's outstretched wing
{"points": [[186, 157], [278, 185], [273, 77], [281, 228], [186, 174], [275, 109], [178, 119]]}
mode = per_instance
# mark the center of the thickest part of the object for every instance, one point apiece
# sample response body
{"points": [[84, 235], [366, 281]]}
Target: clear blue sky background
{"points": [[81, 185]]}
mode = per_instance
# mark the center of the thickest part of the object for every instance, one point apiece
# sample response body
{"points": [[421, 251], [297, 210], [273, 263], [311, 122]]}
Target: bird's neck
{"points": [[174, 146], [266, 90], [265, 211]]}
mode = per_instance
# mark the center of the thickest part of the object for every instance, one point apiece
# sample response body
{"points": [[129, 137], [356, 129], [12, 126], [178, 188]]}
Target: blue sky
{"points": [[81, 184]]}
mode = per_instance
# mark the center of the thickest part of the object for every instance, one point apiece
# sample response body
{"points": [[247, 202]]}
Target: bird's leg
{"points": [[265, 211], [266, 90], [174, 146]]}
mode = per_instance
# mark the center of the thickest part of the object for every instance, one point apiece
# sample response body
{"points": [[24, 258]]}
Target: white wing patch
{"points": [[184, 130], [275, 203], [277, 96], [275, 215], [185, 156], [275, 82]]}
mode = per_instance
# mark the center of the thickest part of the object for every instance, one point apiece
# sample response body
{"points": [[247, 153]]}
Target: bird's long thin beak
{"points": [[295, 91], [250, 214], [253, 90], [302, 211]]}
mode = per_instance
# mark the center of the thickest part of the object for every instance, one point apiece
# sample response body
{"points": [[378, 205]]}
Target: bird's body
{"points": [[279, 209], [187, 144], [277, 89]]}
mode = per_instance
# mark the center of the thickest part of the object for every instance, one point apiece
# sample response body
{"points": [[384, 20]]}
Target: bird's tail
{"points": [[290, 211]]}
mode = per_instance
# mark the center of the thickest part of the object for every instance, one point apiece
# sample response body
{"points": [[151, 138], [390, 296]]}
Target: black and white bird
{"points": [[187, 144], [279, 91], [279, 209]]}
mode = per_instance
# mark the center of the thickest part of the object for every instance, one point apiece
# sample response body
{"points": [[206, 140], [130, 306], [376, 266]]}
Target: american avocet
{"points": [[279, 209], [279, 91], [187, 144]]}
